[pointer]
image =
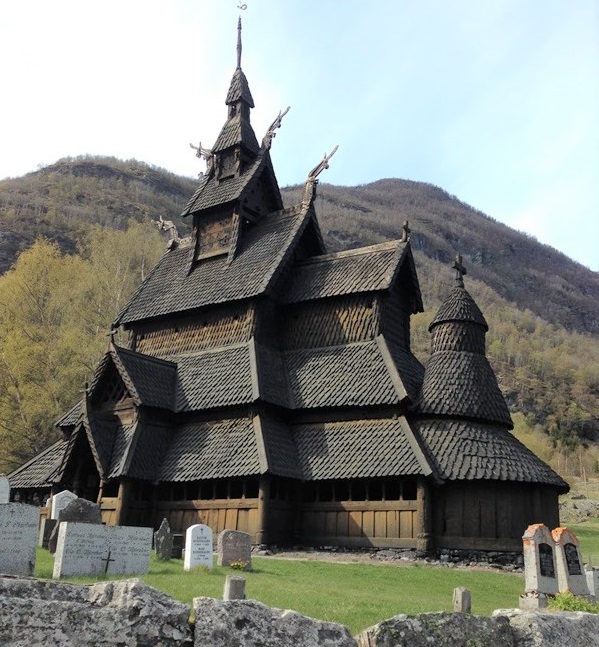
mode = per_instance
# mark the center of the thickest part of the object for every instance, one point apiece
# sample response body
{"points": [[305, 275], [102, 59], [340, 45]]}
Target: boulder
{"points": [[440, 630], [124, 613], [248, 623], [551, 629]]}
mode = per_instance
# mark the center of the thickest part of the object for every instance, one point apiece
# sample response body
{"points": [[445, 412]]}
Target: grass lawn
{"points": [[356, 595]]}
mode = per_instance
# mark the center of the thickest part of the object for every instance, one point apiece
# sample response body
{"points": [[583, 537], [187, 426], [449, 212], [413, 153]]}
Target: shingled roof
{"points": [[459, 306], [170, 288], [465, 450], [37, 472], [367, 269], [359, 449]]}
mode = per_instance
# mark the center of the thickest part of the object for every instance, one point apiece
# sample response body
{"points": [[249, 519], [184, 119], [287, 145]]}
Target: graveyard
{"points": [[349, 588]]}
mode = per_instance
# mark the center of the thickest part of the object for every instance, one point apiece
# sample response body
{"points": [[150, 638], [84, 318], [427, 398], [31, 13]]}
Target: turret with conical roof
{"points": [[459, 381]]}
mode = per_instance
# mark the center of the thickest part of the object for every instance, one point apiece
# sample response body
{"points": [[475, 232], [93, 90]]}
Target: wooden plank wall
{"points": [[360, 523], [219, 514]]}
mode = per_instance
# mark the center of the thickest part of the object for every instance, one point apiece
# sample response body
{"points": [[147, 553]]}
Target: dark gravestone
{"points": [[163, 541], [78, 510], [546, 563], [178, 541], [572, 561], [45, 532]]}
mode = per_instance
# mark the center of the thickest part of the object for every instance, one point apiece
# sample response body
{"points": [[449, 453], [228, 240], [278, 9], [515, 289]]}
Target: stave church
{"points": [[269, 386]]}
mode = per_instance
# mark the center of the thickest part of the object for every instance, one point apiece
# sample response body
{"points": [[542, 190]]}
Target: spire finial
{"points": [[239, 43], [460, 270], [405, 232]]}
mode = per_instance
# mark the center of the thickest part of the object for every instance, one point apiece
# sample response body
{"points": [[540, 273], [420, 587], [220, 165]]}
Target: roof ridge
{"points": [[391, 245], [152, 358]]}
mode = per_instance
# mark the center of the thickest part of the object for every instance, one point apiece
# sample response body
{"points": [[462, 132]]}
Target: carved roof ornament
{"points": [[270, 133], [312, 180], [205, 154], [405, 233], [460, 270], [239, 39], [169, 226]]}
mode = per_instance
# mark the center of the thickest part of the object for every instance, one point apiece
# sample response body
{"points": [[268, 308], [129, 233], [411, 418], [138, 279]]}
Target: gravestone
{"points": [[163, 541], [234, 588], [92, 549], [177, 545], [198, 547], [78, 510], [593, 582], [234, 547], [18, 538], [539, 560], [570, 571], [462, 600], [61, 501], [46, 529], [4, 490]]}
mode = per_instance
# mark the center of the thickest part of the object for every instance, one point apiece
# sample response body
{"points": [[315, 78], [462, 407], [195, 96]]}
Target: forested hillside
{"points": [[57, 301]]}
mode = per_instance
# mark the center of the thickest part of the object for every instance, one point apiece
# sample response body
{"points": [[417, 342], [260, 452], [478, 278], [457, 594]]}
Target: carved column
{"points": [[122, 503], [263, 512], [424, 534]]}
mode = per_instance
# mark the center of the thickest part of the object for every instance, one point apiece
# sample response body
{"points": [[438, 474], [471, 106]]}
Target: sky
{"points": [[496, 102]]}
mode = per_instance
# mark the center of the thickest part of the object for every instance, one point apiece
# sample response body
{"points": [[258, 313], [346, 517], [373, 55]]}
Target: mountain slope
{"points": [[542, 308]]}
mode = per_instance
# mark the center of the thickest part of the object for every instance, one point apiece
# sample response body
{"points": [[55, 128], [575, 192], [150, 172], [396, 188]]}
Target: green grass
{"points": [[588, 535], [356, 595]]}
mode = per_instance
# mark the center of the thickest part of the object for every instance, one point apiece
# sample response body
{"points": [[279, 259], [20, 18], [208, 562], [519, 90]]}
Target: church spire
{"points": [[239, 43]]}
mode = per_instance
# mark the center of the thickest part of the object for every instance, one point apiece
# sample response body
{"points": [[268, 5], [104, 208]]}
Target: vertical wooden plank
{"points": [[330, 524], [222, 513], [380, 523], [471, 512], [231, 519], [342, 523], [488, 526], [406, 526], [393, 523], [368, 523], [355, 523], [243, 521]]}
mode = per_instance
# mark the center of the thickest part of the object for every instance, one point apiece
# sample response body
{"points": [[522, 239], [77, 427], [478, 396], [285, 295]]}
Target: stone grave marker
{"points": [[46, 528], [177, 545], [234, 546], [79, 510], [61, 501], [163, 541], [93, 549], [593, 581], [4, 490], [539, 560], [18, 538], [570, 571], [198, 547]]}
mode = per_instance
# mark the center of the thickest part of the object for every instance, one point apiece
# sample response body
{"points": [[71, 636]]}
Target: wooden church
{"points": [[269, 386]]}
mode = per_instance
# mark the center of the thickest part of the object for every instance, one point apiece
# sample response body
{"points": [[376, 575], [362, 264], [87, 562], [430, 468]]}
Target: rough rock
{"points": [[124, 613], [551, 629], [248, 623], [440, 630]]}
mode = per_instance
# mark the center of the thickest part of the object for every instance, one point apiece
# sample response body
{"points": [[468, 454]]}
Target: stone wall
{"points": [[129, 613]]}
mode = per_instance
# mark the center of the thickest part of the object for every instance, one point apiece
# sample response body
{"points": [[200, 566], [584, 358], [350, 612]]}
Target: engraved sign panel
{"points": [[198, 547], [572, 561], [18, 538], [546, 564], [90, 549]]}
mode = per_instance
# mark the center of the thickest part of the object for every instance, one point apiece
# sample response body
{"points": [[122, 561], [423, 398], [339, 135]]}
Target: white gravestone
{"points": [[4, 490], [18, 538], [234, 547], [91, 549], [539, 560], [198, 547], [593, 582], [60, 501], [568, 560]]}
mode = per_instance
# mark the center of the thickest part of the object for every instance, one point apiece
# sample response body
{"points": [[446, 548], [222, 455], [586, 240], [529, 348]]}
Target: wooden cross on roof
{"points": [[460, 270], [405, 232]]}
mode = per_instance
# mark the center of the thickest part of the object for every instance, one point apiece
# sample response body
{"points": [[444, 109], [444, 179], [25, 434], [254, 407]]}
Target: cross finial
{"points": [[405, 234], [460, 270], [239, 43]]}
